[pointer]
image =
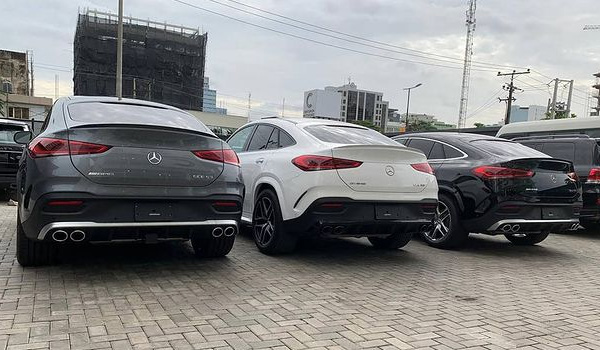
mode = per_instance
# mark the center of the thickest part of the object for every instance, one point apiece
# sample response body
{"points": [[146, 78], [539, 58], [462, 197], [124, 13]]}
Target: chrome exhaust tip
{"points": [[506, 228], [217, 232], [77, 236], [229, 231], [575, 227], [515, 228], [60, 236], [326, 230], [338, 230]]}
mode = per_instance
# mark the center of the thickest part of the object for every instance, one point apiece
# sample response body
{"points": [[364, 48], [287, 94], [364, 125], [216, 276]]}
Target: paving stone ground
{"points": [[339, 294]]}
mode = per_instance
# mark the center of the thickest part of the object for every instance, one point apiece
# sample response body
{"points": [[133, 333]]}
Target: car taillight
{"points": [[490, 172], [315, 163], [594, 176], [224, 156], [49, 147], [423, 167]]}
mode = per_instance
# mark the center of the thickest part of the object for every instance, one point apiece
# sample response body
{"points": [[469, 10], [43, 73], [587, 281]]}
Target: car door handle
{"points": [[260, 160]]}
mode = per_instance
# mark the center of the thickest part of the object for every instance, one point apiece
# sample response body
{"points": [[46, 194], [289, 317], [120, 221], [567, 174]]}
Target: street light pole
{"points": [[408, 104], [119, 77]]}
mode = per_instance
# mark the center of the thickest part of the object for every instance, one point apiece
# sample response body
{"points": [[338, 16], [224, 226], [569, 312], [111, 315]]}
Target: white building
{"points": [[527, 113], [352, 104]]}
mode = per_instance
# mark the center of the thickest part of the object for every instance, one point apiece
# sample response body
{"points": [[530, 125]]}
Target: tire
{"points": [[33, 253], [212, 247], [394, 241], [527, 239], [590, 225], [446, 231], [268, 231]]}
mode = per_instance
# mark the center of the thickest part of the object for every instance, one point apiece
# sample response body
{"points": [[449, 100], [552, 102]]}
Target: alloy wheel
{"points": [[441, 224], [263, 221]]}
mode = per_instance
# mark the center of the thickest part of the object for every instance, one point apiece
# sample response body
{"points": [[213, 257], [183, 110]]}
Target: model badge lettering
{"points": [[97, 173]]}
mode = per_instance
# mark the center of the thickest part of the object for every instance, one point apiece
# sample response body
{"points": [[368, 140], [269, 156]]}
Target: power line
{"points": [[322, 42], [459, 59]]}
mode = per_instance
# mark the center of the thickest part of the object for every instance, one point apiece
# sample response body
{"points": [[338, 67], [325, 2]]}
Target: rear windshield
{"points": [[507, 149], [7, 132], [348, 135], [118, 113]]}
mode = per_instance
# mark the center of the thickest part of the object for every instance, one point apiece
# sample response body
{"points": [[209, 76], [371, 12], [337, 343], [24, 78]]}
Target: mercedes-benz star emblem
{"points": [[390, 170], [154, 158], [553, 178]]}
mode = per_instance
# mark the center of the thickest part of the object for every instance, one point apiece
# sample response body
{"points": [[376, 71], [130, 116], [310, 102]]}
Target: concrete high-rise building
{"points": [[527, 113], [209, 100], [346, 103]]}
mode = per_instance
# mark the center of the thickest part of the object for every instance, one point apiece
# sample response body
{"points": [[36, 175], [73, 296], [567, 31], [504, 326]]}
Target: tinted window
{"points": [[401, 141], [451, 152], [260, 138], [285, 140], [506, 148], [238, 140], [424, 145], [120, 113], [437, 152], [273, 140], [348, 135], [560, 150]]}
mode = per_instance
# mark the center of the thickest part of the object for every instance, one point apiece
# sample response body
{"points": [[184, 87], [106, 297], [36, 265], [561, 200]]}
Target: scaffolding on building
{"points": [[596, 95], [161, 62]]}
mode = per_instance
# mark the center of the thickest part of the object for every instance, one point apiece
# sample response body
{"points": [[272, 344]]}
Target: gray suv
{"points": [[108, 170]]}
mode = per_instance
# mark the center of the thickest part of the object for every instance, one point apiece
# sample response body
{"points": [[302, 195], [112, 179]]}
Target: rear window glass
{"points": [[7, 132], [560, 150], [507, 148], [348, 135], [119, 113]]}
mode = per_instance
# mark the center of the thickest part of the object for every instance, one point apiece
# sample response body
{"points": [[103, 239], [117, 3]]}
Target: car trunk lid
{"points": [[146, 156], [384, 168]]}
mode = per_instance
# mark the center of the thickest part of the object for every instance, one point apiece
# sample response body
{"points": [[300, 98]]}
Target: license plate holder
{"points": [[556, 213], [153, 212], [388, 212]]}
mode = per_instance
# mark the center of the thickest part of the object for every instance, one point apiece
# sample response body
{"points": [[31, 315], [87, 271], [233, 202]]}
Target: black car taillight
{"points": [[491, 172], [316, 163], [50, 147]]}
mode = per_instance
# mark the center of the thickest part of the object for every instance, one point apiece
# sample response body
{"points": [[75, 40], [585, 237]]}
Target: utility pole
{"points": [[119, 77], [56, 91], [510, 87], [570, 98], [408, 103], [31, 70], [555, 104], [134, 92], [466, 78], [249, 104], [283, 108]]}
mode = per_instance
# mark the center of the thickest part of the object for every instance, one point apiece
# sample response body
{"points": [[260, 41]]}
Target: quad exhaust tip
{"points": [[509, 228], [327, 230], [77, 236], [229, 231], [217, 232], [338, 230], [60, 236]]}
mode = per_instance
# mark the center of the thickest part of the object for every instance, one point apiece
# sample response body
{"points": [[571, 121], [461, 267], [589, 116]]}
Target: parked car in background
{"points": [[584, 153], [108, 170], [333, 179], [568, 126], [10, 153], [495, 186]]}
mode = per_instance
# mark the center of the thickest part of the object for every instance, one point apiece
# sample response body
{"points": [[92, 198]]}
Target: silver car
{"points": [[108, 170]]}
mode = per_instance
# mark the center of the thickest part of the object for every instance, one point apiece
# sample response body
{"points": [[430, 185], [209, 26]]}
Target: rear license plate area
{"points": [[153, 212], [556, 213], [388, 212]]}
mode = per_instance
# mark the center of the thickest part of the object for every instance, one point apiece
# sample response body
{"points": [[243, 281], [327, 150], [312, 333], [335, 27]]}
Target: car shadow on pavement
{"points": [[584, 234]]}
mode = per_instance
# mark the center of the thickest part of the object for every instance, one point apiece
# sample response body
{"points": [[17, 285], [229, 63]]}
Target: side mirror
{"points": [[23, 137]]}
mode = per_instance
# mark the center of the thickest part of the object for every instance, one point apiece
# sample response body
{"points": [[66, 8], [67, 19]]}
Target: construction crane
{"points": [[591, 26], [464, 93]]}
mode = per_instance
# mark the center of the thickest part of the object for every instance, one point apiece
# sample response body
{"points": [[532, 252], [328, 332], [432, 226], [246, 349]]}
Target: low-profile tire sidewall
{"points": [[457, 235], [282, 241]]}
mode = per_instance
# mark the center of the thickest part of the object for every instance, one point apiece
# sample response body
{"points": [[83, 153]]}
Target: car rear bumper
{"points": [[338, 217], [519, 217], [119, 219]]}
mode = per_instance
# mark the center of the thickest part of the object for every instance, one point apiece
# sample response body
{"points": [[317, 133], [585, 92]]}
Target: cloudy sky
{"points": [[544, 35]]}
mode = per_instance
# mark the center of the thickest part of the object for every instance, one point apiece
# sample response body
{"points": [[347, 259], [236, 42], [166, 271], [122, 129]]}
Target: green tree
{"points": [[367, 124], [560, 115], [421, 125], [479, 125]]}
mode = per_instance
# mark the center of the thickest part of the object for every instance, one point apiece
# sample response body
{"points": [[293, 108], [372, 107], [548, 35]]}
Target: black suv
{"points": [[584, 153], [10, 153]]}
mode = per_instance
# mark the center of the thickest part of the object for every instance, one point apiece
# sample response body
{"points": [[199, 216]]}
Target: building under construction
{"points": [[161, 62]]}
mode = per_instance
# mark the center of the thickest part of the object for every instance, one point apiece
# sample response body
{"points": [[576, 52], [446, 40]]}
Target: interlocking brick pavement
{"points": [[328, 295]]}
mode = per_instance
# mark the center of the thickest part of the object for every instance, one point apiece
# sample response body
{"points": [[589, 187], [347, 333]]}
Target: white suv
{"points": [[334, 179]]}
